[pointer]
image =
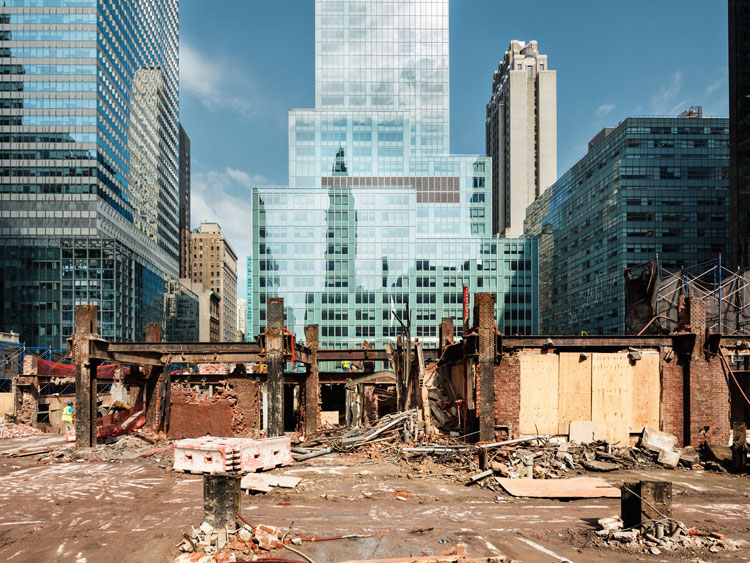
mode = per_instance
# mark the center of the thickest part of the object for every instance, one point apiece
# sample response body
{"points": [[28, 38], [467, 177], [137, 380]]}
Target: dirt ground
{"points": [[135, 510]]}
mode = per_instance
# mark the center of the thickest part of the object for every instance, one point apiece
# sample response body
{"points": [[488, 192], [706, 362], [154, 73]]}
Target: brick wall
{"points": [[232, 411], [190, 419], [246, 407], [709, 402], [508, 392], [695, 394], [673, 397]]}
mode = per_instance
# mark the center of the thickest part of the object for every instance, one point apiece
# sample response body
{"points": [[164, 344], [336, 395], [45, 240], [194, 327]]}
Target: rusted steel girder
{"points": [[274, 340], [312, 382]]}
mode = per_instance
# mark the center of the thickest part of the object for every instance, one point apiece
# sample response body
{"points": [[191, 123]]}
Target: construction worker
{"points": [[67, 417]]}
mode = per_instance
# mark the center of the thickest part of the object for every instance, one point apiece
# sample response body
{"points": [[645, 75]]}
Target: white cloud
{"points": [[223, 196], [245, 179], [604, 109], [212, 83], [667, 100], [715, 85]]}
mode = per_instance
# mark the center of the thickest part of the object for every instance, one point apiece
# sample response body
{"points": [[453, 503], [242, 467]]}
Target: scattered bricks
{"points": [[668, 458], [268, 538], [645, 500]]}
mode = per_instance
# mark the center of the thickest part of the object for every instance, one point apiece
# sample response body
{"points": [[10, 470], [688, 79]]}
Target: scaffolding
{"points": [[653, 297]]}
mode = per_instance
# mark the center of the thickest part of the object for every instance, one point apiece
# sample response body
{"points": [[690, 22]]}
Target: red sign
{"points": [[466, 305]]}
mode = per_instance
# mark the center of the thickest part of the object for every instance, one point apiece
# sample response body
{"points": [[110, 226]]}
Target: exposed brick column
{"points": [[153, 334], [698, 326], [275, 362], [446, 333], [484, 305], [86, 317], [312, 382], [508, 393]]}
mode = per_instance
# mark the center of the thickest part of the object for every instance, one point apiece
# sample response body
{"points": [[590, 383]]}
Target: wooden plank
{"points": [[539, 403], [646, 392], [612, 396], [574, 401], [579, 487]]}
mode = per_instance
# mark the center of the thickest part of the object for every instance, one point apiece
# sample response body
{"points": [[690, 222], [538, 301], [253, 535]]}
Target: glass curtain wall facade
{"points": [[67, 204], [651, 186], [739, 122], [377, 213]]}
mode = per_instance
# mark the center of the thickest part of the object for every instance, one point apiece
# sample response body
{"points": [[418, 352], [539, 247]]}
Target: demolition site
{"points": [[487, 448]]}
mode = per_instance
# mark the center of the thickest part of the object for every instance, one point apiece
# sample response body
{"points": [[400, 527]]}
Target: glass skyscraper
{"points": [[88, 164], [377, 213], [646, 188]]}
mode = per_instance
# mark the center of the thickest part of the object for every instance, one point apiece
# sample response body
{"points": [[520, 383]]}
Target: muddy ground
{"points": [[135, 510]]}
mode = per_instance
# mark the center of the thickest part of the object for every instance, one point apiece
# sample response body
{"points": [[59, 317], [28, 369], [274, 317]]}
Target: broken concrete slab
{"points": [[265, 482], [656, 440], [690, 455], [582, 431], [578, 487], [600, 465], [668, 458]]}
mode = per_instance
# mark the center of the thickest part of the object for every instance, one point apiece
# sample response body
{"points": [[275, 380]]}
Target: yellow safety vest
{"points": [[67, 414]]}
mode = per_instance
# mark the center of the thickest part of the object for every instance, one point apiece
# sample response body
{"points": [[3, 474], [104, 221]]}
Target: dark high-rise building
{"points": [[739, 128], [650, 186], [184, 222], [88, 164]]}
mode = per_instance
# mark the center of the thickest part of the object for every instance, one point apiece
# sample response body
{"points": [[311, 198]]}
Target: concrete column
{"points": [[484, 304], [221, 499], [86, 324], [312, 382], [275, 362]]}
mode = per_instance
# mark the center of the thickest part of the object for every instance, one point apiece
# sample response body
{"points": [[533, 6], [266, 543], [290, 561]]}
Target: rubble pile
{"points": [[13, 430], [245, 542], [657, 536], [141, 444]]}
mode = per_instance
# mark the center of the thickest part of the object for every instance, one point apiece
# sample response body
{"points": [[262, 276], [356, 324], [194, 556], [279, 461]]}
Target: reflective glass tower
{"points": [[88, 164], [378, 214]]}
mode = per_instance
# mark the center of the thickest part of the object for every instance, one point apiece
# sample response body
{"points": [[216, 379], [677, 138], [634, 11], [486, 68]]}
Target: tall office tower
{"points": [[68, 232], [213, 262], [152, 143], [378, 216], [648, 187], [241, 319], [521, 134], [184, 223], [739, 129]]}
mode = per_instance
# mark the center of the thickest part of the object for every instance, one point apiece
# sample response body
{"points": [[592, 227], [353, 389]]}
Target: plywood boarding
{"points": [[574, 401], [612, 397], [578, 487], [646, 392], [539, 390]]}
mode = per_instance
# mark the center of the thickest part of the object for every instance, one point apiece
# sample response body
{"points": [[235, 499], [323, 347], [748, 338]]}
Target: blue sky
{"points": [[244, 64]]}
